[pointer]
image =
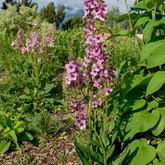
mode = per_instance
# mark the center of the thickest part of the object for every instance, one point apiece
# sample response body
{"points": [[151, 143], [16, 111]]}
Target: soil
{"points": [[58, 150]]}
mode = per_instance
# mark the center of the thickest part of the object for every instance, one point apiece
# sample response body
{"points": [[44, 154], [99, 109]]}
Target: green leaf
{"points": [[156, 82], [95, 156], [25, 136], [25, 97], [160, 151], [150, 5], [148, 30], [157, 130], [9, 123], [49, 87], [139, 6], [140, 80], [119, 159], [149, 48], [13, 135], [137, 104], [4, 146], [141, 153], [139, 122], [109, 152], [157, 57], [49, 100], [143, 19], [2, 113]]}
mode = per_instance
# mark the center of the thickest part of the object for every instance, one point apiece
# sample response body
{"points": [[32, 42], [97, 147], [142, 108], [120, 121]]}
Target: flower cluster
{"points": [[94, 10], [93, 71], [73, 74], [78, 109], [34, 43], [95, 56]]}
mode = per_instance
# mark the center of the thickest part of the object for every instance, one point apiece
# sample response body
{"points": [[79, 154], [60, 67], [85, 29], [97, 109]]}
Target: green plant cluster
{"points": [[31, 91]]}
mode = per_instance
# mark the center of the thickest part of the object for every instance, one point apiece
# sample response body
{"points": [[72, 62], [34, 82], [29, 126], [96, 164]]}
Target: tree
{"points": [[50, 14], [19, 3], [27, 3], [75, 22], [4, 4]]}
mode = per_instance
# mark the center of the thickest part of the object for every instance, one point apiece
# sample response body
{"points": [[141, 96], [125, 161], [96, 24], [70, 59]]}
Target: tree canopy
{"points": [[75, 22], [27, 3], [51, 15]]}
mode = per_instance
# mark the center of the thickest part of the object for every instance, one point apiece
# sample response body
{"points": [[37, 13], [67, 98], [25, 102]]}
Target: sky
{"points": [[77, 5]]}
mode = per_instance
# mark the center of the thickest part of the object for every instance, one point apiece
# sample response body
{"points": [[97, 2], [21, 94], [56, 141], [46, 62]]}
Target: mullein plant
{"points": [[35, 48], [89, 83]]}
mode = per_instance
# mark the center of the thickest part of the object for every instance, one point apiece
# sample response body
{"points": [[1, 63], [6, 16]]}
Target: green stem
{"points": [[129, 17]]}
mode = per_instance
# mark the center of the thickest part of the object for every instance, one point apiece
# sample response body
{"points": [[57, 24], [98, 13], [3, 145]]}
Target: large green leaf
{"points": [[4, 146], [156, 82], [151, 47], [139, 122], [148, 30], [141, 153], [157, 58], [160, 151], [157, 130]]}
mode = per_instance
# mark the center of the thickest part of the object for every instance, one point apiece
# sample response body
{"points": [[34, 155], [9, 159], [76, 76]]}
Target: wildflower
{"points": [[108, 91], [14, 44], [35, 24], [20, 34]]}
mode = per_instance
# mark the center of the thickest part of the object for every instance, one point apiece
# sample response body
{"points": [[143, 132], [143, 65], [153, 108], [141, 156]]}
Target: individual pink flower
{"points": [[23, 49], [20, 34], [108, 91], [14, 44]]}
